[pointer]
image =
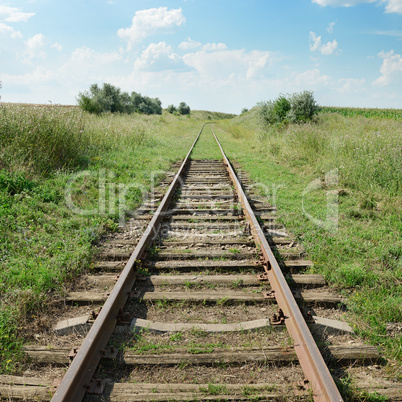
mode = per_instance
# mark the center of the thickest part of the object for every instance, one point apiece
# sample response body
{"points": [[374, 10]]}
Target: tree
{"points": [[136, 100], [111, 99], [171, 109], [150, 106], [183, 108]]}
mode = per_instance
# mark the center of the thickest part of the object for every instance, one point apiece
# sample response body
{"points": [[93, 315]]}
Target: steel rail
{"points": [[310, 358], [77, 378]]}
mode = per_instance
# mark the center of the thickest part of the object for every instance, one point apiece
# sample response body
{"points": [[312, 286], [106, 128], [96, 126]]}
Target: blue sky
{"points": [[220, 55]]}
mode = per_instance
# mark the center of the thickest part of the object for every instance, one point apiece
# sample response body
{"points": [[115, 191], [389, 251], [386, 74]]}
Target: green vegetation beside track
{"points": [[335, 182], [337, 186], [66, 178]]}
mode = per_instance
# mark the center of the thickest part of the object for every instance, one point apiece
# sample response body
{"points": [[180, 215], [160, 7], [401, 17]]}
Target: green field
{"points": [[395, 114], [355, 157]]}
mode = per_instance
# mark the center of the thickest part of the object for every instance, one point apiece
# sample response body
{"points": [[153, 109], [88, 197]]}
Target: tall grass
{"points": [[44, 243], [43, 139], [367, 152], [362, 257]]}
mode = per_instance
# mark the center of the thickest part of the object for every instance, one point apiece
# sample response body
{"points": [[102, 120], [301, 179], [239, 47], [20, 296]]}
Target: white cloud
{"points": [[189, 44], [228, 64], [157, 57], [325, 49], [341, 3], [311, 79], [87, 55], [350, 85], [256, 63], [330, 27], [214, 46], [394, 33], [37, 76], [391, 68], [149, 22], [11, 14], [57, 46], [391, 6], [34, 47], [5, 29], [87, 64], [316, 41], [329, 48]]}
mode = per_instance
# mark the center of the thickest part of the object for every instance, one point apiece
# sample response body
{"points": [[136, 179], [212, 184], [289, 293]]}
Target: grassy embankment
{"points": [[359, 248], [43, 242]]}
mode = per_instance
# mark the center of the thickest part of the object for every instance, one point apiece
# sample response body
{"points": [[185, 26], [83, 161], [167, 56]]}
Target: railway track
{"points": [[205, 298]]}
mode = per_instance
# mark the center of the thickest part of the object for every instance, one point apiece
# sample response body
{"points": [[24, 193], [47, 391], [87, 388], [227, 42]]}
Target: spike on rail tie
{"points": [[73, 352]]}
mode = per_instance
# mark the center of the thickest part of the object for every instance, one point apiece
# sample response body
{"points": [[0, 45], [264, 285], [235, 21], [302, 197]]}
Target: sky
{"points": [[216, 55]]}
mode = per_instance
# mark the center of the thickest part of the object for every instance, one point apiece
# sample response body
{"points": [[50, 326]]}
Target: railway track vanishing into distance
{"points": [[213, 304]]}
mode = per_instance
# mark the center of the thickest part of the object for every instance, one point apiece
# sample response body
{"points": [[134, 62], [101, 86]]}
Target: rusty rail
{"points": [[79, 375], [310, 358]]}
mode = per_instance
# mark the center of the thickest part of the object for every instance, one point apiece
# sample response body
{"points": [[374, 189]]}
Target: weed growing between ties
{"points": [[214, 389], [206, 147], [197, 341], [66, 178], [356, 245]]}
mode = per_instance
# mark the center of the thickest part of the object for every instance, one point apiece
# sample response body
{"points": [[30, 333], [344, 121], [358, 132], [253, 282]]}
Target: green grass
{"points": [[214, 389], [142, 344], [197, 348], [44, 243], [361, 255], [206, 147], [105, 162]]}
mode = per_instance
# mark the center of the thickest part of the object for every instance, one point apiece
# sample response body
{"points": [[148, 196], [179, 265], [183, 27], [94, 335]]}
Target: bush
{"points": [[110, 99], [14, 183], [266, 111], [275, 112], [171, 109], [99, 100], [281, 108], [183, 108], [300, 107]]}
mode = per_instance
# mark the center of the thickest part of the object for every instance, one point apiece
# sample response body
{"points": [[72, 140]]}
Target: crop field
{"points": [[395, 114], [336, 184]]}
